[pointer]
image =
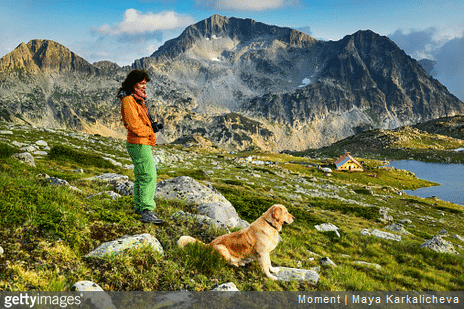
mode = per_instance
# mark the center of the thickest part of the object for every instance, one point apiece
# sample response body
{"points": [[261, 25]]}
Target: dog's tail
{"points": [[184, 240]]}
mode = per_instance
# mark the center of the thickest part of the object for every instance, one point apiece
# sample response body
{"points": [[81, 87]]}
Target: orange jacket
{"points": [[136, 121]]}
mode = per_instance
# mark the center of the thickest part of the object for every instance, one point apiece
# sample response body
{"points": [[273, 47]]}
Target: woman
{"points": [[140, 139]]}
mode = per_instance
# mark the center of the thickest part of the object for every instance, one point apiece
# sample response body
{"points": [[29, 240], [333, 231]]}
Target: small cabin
{"points": [[348, 163]]}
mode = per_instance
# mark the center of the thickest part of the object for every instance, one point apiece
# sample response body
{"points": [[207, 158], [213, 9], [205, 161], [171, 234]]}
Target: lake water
{"points": [[450, 176]]}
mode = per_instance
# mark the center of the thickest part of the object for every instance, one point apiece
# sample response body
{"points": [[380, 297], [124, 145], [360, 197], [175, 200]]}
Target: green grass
{"points": [[46, 230]]}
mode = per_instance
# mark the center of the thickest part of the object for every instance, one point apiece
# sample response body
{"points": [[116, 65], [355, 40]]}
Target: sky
{"points": [[123, 31]]}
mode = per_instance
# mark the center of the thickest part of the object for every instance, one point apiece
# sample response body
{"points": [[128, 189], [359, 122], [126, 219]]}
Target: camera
{"points": [[157, 126]]}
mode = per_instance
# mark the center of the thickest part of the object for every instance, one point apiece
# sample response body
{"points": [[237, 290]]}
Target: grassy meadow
{"points": [[47, 230]]}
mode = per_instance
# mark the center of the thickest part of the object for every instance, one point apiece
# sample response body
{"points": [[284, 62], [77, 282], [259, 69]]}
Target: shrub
{"points": [[6, 150]]}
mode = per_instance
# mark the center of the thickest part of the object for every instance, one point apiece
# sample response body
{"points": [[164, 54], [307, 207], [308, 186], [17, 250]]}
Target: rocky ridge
{"points": [[222, 73]]}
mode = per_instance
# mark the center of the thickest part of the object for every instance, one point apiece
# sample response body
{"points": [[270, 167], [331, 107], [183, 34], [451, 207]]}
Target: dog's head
{"points": [[277, 215]]}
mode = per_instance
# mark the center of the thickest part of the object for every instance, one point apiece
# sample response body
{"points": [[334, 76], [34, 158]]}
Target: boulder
{"points": [[438, 244], [99, 299], [289, 274], [187, 189], [380, 234], [396, 227], [119, 245], [111, 178], [228, 287], [328, 227], [200, 219], [25, 157], [223, 212]]}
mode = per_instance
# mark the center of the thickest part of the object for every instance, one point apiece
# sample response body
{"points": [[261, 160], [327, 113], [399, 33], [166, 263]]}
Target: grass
{"points": [[46, 230]]}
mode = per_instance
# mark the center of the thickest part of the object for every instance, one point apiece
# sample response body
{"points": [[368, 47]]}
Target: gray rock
{"points": [[41, 143], [111, 194], [1, 251], [326, 261], [112, 161], [60, 182], [25, 157], [86, 286], [229, 287], [200, 219], [395, 227], [100, 299], [6, 132], [328, 227], [443, 232], [111, 178], [289, 274], [223, 212], [438, 244], [405, 221], [187, 189], [118, 246], [380, 234], [124, 188], [377, 266]]}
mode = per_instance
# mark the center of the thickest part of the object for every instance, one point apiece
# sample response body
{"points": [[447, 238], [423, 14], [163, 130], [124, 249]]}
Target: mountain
{"points": [[238, 82], [44, 56]]}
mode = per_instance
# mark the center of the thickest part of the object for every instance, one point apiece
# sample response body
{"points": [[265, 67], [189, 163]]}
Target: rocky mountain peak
{"points": [[242, 30], [44, 56]]}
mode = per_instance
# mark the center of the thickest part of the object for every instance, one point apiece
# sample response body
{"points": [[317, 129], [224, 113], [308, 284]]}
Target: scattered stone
{"points": [[438, 244], [99, 300], [187, 189], [125, 188], [115, 163], [458, 237], [229, 287], [111, 194], [377, 266], [25, 157], [6, 132], [380, 234], [405, 221], [395, 227], [328, 227], [119, 245], [326, 261], [41, 143], [289, 274], [443, 232], [60, 182], [223, 212], [111, 178], [86, 286], [79, 171], [200, 219]]}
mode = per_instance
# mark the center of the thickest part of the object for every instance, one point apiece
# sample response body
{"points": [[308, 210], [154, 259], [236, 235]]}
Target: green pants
{"points": [[145, 173]]}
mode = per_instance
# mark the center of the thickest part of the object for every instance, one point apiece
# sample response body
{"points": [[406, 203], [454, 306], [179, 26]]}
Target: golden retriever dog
{"points": [[253, 242]]}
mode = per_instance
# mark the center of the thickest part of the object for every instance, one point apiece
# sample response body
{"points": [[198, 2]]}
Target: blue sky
{"points": [[122, 31]]}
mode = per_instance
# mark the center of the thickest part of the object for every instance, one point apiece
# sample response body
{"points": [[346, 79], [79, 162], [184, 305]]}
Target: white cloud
{"points": [[137, 23], [444, 46], [245, 5]]}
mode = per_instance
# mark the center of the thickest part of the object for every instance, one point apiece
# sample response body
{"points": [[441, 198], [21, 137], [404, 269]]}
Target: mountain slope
{"points": [[223, 72]]}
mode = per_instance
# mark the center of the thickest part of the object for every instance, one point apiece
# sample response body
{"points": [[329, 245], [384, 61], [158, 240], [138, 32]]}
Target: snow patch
{"points": [[305, 82]]}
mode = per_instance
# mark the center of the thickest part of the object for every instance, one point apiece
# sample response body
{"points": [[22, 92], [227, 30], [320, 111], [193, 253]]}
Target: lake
{"points": [[449, 175]]}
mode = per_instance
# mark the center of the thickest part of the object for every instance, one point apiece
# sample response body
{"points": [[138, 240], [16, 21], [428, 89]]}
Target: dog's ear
{"points": [[278, 213], [278, 217]]}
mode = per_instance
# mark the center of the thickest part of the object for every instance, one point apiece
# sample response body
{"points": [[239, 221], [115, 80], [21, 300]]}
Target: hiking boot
{"points": [[149, 216]]}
